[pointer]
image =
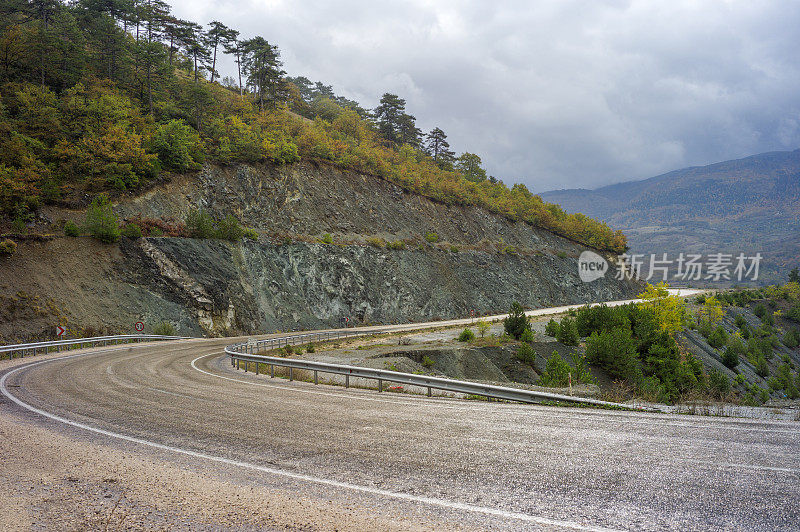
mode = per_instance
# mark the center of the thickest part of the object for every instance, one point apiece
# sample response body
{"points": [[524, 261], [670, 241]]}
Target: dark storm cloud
{"points": [[555, 93]]}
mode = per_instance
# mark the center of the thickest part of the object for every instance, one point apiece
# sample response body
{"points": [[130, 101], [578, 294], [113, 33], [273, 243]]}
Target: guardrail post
{"points": [[380, 385], [429, 391], [347, 381], [257, 364], [237, 363], [272, 371], [315, 377], [233, 361], [291, 374], [246, 363]]}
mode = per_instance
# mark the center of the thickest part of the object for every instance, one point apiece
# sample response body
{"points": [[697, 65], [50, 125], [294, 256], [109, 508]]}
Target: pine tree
{"points": [[262, 65], [389, 114], [217, 35], [470, 167], [439, 149]]}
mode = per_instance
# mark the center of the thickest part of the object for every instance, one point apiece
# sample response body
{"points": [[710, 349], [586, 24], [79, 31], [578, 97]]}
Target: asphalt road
{"points": [[446, 463]]}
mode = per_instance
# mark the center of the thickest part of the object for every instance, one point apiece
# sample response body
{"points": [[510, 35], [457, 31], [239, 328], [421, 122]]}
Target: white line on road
{"points": [[452, 505]]}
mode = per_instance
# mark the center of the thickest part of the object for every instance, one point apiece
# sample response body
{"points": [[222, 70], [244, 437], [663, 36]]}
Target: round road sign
{"points": [[139, 326]]}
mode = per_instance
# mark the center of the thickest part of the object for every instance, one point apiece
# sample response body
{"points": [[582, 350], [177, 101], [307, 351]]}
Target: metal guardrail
{"points": [[58, 345], [247, 353]]}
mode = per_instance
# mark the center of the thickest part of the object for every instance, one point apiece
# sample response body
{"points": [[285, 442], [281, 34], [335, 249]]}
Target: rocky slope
{"points": [[287, 280]]}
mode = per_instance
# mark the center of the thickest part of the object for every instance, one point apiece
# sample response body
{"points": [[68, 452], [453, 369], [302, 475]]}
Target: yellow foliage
{"points": [[669, 310]]}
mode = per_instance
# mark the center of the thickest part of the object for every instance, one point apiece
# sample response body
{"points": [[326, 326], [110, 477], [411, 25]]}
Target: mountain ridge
{"points": [[747, 205]]}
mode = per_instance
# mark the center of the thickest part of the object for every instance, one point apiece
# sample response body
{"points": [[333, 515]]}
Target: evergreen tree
{"points": [[439, 149], [389, 115], [218, 34], [262, 65], [233, 46], [408, 132], [470, 167]]}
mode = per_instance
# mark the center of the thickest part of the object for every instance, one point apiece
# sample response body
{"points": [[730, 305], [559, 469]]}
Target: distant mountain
{"points": [[746, 205]]}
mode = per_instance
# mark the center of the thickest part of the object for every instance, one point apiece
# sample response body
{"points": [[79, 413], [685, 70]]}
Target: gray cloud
{"points": [[555, 93]]}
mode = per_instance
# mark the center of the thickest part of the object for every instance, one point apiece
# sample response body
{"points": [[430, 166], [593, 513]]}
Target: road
{"points": [[170, 436]]}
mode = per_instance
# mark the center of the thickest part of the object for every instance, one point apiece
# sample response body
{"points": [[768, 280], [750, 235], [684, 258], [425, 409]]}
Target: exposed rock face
{"points": [[313, 199], [215, 287], [252, 287]]}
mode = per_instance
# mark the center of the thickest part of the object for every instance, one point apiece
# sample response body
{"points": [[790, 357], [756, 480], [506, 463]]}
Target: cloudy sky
{"points": [[554, 93]]}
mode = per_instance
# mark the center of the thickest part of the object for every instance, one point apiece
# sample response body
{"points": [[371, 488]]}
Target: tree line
{"points": [[100, 95]]}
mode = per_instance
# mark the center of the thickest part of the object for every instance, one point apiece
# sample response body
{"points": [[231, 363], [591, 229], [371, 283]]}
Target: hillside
{"points": [[747, 205], [331, 244]]}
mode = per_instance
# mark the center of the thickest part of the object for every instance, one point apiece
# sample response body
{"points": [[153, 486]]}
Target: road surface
{"points": [[170, 436]]}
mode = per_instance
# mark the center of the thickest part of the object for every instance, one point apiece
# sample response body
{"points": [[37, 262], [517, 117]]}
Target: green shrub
{"points": [[229, 228], [718, 338], [760, 310], [101, 222], [556, 371], [483, 327], [527, 336], [199, 224], [164, 328], [526, 354], [551, 329], [615, 352], [8, 247], [71, 229], [719, 384], [454, 249], [177, 145], [131, 231], [432, 237], [311, 348], [427, 362], [568, 332], [762, 369], [396, 245], [19, 226], [466, 336], [326, 239], [740, 321], [730, 358], [516, 322], [704, 327], [250, 233], [794, 313], [733, 351], [792, 338], [376, 242]]}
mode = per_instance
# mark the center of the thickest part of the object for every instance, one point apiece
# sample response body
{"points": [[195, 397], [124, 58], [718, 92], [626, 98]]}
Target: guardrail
{"points": [[247, 353], [58, 345]]}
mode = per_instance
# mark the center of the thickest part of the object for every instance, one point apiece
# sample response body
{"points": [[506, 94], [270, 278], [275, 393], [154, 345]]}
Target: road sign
{"points": [[60, 331], [139, 326]]}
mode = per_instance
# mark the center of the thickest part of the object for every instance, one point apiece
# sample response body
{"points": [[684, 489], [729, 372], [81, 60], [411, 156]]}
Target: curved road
{"points": [[437, 462]]}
